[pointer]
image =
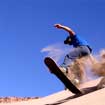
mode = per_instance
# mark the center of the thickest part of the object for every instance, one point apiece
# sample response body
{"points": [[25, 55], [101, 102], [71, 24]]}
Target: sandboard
{"points": [[53, 68]]}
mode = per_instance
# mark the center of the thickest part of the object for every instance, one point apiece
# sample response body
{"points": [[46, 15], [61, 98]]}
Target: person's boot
{"points": [[75, 82], [64, 70]]}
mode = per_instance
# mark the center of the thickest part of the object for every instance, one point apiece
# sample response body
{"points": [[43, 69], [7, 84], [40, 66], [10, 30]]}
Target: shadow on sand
{"points": [[84, 92]]}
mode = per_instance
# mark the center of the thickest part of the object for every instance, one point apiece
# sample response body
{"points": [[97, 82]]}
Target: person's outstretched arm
{"points": [[59, 26]]}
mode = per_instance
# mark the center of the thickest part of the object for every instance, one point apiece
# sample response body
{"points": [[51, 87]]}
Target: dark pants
{"points": [[77, 52]]}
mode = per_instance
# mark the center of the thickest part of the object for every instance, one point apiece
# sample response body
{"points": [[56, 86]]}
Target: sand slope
{"points": [[67, 98]]}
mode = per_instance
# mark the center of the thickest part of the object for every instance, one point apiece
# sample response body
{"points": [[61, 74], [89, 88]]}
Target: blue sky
{"points": [[26, 27]]}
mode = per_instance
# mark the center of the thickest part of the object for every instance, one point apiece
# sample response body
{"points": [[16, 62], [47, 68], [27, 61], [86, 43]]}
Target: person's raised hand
{"points": [[58, 25]]}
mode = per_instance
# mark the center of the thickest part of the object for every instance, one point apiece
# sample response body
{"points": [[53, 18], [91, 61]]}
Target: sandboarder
{"points": [[80, 48]]}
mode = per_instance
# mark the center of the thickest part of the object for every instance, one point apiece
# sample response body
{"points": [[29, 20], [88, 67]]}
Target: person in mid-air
{"points": [[80, 47]]}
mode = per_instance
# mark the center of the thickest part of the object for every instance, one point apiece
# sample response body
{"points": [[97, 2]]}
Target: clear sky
{"points": [[26, 27]]}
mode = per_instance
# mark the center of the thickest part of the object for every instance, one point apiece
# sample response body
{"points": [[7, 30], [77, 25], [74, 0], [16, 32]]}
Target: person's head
{"points": [[68, 41]]}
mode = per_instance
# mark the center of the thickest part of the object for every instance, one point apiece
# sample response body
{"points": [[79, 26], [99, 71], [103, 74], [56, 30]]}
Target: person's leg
{"points": [[68, 69], [74, 54]]}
